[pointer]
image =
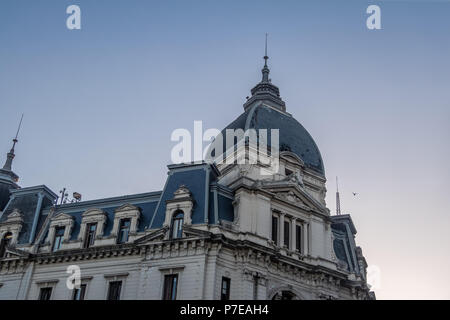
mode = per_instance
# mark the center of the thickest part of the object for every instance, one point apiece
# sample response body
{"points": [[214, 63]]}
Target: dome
{"points": [[266, 110], [293, 136]]}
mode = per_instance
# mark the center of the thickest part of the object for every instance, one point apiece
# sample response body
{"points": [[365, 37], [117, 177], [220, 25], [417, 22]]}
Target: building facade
{"points": [[217, 230]]}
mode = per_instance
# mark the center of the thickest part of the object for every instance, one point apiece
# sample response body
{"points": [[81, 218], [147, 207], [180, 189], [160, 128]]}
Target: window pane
{"points": [[225, 293], [275, 230], [90, 234], [170, 287], [78, 294], [286, 234], [45, 293], [114, 290], [124, 230], [59, 237], [299, 238], [177, 226]]}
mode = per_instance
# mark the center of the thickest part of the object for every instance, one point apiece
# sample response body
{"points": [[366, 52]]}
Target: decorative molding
{"points": [[181, 201], [126, 211]]}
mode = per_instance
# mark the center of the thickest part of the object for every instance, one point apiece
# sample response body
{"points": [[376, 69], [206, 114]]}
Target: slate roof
{"points": [[293, 136], [152, 204]]}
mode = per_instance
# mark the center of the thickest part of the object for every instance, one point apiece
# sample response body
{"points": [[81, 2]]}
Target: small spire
{"points": [[10, 156], [338, 200], [265, 55], [265, 70]]}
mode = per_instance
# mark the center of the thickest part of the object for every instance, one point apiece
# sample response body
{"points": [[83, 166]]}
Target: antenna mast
{"points": [[338, 200]]}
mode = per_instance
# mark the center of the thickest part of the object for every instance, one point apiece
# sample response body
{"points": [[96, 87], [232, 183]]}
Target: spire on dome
{"points": [[265, 90], [10, 156], [265, 70]]}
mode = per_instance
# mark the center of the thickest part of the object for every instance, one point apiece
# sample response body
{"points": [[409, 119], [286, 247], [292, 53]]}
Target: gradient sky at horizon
{"points": [[101, 103]]}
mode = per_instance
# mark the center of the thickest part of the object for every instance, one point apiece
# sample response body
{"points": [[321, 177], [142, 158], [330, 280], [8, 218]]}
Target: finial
{"points": [[10, 156], [17, 133], [265, 70], [266, 57]]}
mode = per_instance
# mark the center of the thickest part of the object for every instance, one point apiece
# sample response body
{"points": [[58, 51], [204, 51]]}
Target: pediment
{"points": [[298, 197], [62, 216], [11, 253], [155, 235], [93, 212], [292, 157], [181, 193], [15, 216], [160, 234], [127, 207], [190, 231]]}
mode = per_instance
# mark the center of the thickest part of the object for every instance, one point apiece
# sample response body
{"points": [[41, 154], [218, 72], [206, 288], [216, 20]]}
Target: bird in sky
{"points": [[355, 193]]}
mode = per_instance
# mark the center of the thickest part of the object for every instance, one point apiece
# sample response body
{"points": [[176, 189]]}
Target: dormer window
{"points": [[126, 223], [59, 237], [89, 239], [178, 212], [124, 231], [177, 225], [6, 241], [59, 231], [92, 227]]}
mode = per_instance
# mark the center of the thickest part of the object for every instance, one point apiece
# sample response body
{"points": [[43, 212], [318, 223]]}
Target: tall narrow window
{"points": [[286, 234], [225, 292], [114, 290], [90, 235], [298, 238], [45, 293], [79, 293], [170, 287], [59, 237], [6, 241], [124, 230], [275, 229], [177, 225], [255, 287]]}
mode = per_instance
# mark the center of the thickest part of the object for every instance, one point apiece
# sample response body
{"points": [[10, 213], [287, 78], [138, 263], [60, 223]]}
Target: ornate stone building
{"points": [[215, 231]]}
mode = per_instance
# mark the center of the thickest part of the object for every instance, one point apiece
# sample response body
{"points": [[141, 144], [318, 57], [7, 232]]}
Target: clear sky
{"points": [[100, 104]]}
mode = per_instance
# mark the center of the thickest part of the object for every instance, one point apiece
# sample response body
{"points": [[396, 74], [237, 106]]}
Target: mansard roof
{"points": [[199, 178]]}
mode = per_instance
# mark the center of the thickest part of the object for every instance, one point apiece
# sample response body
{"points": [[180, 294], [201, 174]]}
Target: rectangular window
{"points": [[114, 290], [286, 234], [170, 287], [225, 292], [79, 293], [275, 229], [90, 235], [298, 238], [59, 237], [45, 293], [124, 230]]}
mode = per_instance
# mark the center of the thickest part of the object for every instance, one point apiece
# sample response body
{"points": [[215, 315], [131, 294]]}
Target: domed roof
{"points": [[293, 136], [266, 110]]}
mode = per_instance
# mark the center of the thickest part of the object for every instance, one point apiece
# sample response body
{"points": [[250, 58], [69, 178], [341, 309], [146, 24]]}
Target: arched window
{"points": [[6, 241], [177, 225], [284, 295]]}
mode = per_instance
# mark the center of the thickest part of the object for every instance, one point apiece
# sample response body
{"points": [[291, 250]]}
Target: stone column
{"points": [[305, 238], [293, 234]]}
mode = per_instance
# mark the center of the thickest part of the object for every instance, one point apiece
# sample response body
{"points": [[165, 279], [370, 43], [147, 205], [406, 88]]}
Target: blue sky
{"points": [[100, 104]]}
